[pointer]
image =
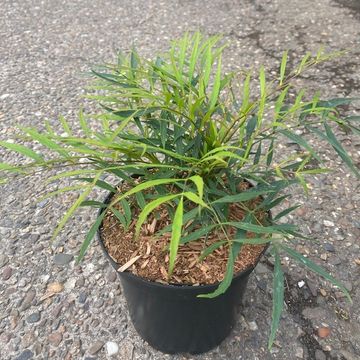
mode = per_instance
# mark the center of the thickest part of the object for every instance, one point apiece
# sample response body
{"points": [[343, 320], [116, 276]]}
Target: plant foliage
{"points": [[192, 135]]}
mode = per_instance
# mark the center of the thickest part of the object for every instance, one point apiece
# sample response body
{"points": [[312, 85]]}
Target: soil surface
{"points": [[148, 256], [53, 308]]}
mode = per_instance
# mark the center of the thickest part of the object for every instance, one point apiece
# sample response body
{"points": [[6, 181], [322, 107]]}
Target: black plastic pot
{"points": [[172, 319]]}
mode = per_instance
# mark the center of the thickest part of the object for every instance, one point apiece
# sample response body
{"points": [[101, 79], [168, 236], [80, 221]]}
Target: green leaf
{"points": [[149, 208], [199, 182], [274, 229], [278, 298], [207, 68], [210, 249], [262, 82], [285, 212], [140, 200], [234, 249], [270, 153], [283, 66], [352, 118], [175, 235], [340, 150], [257, 154], [134, 61], [120, 217], [74, 206], [316, 269], [93, 203], [90, 236], [22, 150], [44, 140], [65, 125], [254, 241], [4, 166], [251, 126], [300, 141], [145, 185], [127, 211], [243, 196], [60, 191], [216, 87], [303, 63], [246, 94], [333, 103], [190, 215], [83, 124], [100, 183], [194, 55], [195, 199], [197, 234]]}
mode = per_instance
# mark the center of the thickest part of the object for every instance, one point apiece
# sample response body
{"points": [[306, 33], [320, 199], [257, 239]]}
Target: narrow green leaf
{"points": [[210, 249], [216, 86], [145, 185], [246, 94], [90, 236], [300, 141], [278, 298], [4, 166], [197, 234], [270, 153], [140, 200], [100, 183], [194, 55], [22, 150], [243, 196], [65, 125], [234, 249], [120, 217], [258, 154], [83, 124], [285, 212], [352, 118], [340, 150], [332, 103], [60, 191], [316, 269], [134, 61], [175, 235], [44, 140], [283, 66], [251, 126], [73, 207], [190, 215], [316, 171], [262, 82], [195, 199], [127, 211], [199, 182], [274, 229], [254, 240], [303, 63], [207, 68], [278, 111], [93, 203], [149, 208]]}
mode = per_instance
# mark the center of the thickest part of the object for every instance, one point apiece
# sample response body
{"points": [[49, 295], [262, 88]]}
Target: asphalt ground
{"points": [[45, 48]]}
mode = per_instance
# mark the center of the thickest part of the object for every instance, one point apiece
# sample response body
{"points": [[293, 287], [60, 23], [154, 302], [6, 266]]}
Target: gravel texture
{"points": [[51, 308]]}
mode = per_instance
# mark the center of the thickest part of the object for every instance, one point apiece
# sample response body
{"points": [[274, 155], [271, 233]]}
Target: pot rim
{"points": [[207, 287]]}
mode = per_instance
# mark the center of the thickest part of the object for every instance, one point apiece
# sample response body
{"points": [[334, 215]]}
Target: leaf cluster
{"points": [[183, 134]]}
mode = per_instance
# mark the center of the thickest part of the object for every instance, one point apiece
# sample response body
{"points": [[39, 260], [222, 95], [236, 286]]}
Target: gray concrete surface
{"points": [[44, 47]]}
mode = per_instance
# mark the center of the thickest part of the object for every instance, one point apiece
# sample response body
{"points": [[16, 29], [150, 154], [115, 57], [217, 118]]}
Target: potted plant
{"points": [[190, 158]]}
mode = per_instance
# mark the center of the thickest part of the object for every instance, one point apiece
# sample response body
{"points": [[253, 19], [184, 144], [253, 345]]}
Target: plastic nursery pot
{"points": [[172, 319]]}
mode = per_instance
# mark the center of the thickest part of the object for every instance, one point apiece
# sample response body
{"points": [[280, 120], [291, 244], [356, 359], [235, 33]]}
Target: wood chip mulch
{"points": [[148, 256]]}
